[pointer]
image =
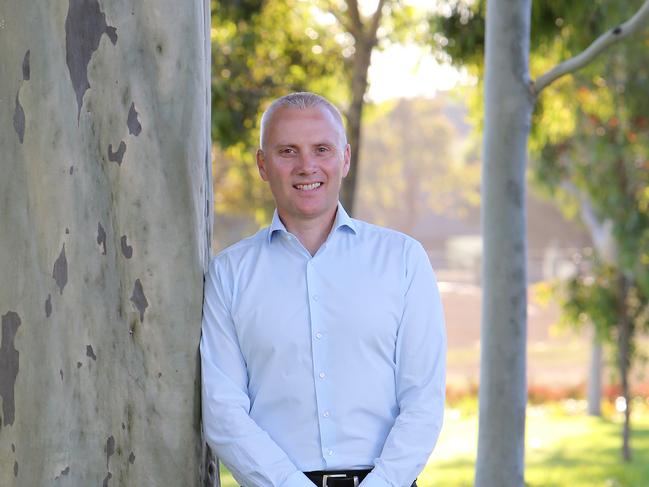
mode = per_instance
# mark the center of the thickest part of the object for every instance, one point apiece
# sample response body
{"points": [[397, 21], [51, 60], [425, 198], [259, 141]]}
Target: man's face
{"points": [[304, 159]]}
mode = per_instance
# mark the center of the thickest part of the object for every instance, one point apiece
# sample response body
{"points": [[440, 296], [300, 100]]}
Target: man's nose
{"points": [[306, 163]]}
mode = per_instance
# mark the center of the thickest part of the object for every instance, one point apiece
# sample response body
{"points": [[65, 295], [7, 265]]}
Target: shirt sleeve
{"points": [[252, 456], [420, 379]]}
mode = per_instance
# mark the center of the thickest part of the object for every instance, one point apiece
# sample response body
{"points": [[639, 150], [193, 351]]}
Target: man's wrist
{"points": [[374, 479], [297, 479]]}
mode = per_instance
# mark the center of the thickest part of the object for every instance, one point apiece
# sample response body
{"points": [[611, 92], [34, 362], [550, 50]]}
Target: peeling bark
{"points": [[101, 237], [134, 127], [127, 250], [19, 119], [9, 366], [60, 271], [118, 155], [139, 299], [110, 448], [84, 26], [26, 70]]}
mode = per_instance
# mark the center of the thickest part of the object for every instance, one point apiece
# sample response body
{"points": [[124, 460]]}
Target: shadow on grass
{"points": [[592, 459]]}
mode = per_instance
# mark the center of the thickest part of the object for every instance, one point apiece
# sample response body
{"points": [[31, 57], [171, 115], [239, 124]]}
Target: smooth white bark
{"points": [[508, 107], [105, 229], [509, 100], [595, 377], [601, 233]]}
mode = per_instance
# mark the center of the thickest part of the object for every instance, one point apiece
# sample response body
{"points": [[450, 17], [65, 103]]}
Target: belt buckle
{"points": [[326, 477]]}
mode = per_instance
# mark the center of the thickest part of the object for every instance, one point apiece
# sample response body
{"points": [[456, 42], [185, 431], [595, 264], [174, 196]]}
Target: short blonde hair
{"points": [[300, 100]]}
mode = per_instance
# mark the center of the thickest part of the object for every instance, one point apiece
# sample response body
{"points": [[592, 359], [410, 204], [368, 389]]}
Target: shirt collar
{"points": [[342, 220]]}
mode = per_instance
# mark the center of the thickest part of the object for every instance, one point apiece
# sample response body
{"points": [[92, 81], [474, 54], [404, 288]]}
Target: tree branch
{"points": [[601, 232], [355, 17], [376, 21], [632, 25], [344, 23]]}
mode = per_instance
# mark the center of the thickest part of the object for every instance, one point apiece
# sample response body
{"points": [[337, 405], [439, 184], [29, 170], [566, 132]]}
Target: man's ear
{"points": [[347, 158], [261, 164]]}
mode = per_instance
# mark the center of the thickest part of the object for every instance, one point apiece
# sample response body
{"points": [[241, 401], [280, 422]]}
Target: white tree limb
{"points": [[632, 25], [600, 231]]}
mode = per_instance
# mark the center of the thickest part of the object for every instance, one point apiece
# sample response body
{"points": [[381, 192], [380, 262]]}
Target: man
{"points": [[323, 346]]}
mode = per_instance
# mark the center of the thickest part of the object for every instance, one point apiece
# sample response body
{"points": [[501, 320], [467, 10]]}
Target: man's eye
{"points": [[323, 149], [287, 150]]}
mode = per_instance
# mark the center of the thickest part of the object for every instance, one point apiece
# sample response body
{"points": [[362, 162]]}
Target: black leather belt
{"points": [[337, 478]]}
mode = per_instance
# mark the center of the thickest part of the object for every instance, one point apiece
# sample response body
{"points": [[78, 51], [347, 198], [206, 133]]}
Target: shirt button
{"points": [[326, 414], [330, 452], [322, 375], [315, 297], [318, 335]]}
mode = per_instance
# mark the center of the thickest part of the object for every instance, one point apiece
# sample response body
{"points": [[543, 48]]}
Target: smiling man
{"points": [[323, 347]]}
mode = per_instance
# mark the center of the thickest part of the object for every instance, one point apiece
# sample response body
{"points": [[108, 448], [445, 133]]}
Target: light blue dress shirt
{"points": [[330, 362]]}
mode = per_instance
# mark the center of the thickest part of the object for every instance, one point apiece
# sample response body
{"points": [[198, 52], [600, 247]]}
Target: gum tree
{"points": [[105, 234], [510, 95]]}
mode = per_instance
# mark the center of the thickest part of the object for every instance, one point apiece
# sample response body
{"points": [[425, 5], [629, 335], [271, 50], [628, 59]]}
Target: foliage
{"points": [[590, 155], [263, 50], [415, 158]]}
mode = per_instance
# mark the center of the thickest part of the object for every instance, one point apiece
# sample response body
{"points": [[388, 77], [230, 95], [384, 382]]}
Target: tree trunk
{"points": [[105, 212], [595, 377], [508, 108], [601, 233], [625, 337], [361, 64]]}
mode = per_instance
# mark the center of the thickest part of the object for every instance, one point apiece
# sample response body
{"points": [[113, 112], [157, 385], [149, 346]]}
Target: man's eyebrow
{"points": [[283, 144]]}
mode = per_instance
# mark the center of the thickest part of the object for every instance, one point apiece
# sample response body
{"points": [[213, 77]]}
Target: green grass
{"points": [[564, 448]]}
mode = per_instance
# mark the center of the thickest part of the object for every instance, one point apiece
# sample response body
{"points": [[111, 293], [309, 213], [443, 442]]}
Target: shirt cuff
{"points": [[297, 479], [373, 479]]}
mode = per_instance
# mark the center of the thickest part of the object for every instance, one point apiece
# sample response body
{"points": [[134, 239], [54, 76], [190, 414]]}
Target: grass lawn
{"points": [[564, 448]]}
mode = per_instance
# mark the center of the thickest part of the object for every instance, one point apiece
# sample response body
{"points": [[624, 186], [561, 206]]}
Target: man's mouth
{"points": [[307, 187]]}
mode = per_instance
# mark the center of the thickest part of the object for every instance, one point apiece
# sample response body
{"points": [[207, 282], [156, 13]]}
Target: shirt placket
{"points": [[321, 369]]}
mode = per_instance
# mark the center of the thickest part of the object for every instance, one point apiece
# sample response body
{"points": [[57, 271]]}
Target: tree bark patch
{"points": [[19, 119], [127, 250], [117, 156], [26, 70], [110, 448], [139, 299], [60, 271], [85, 23], [101, 237], [9, 365], [134, 126]]}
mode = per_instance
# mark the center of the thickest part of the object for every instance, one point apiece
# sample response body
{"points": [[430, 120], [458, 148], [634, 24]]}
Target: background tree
{"points": [[603, 165], [271, 48], [417, 159], [510, 96], [105, 218], [266, 49], [384, 22]]}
